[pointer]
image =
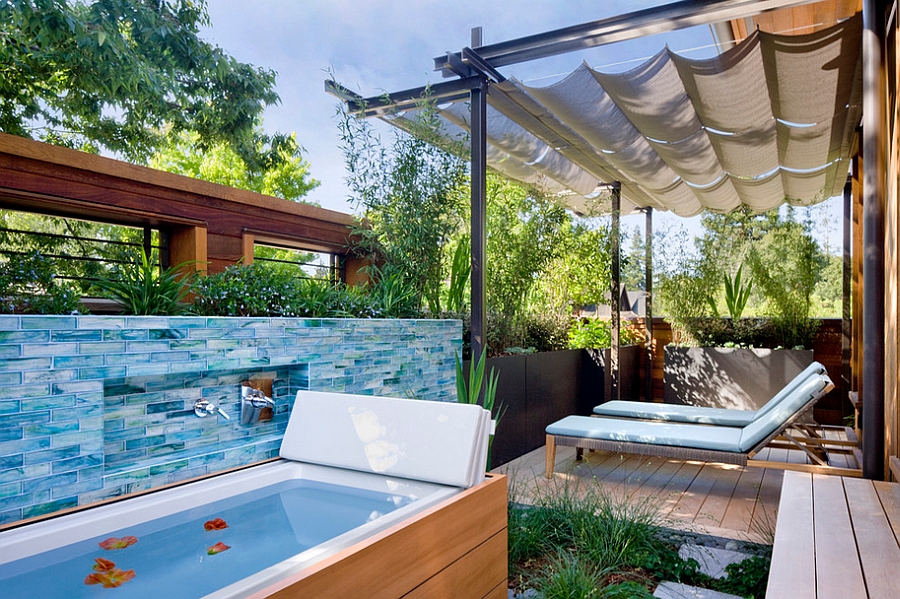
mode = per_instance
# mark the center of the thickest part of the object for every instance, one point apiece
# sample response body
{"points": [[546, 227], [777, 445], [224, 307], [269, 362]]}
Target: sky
{"points": [[377, 46]]}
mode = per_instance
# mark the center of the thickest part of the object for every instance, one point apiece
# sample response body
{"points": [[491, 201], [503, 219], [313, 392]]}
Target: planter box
{"points": [[735, 378], [539, 389]]}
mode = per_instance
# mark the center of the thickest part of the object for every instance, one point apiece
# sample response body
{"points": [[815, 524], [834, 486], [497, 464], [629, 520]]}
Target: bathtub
{"points": [[28, 547], [374, 497]]}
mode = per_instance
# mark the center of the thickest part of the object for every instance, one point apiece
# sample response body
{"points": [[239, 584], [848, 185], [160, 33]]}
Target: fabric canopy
{"points": [[769, 121]]}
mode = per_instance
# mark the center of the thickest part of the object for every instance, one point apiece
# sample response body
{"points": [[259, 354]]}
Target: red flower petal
{"points": [[110, 579], [217, 548], [215, 524], [103, 565]]}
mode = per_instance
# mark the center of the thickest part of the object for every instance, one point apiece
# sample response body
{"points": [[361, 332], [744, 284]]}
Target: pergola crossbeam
{"points": [[650, 21]]}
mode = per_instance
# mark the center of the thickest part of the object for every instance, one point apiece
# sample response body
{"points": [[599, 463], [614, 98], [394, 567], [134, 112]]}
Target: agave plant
{"points": [[470, 393], [144, 290], [737, 294]]}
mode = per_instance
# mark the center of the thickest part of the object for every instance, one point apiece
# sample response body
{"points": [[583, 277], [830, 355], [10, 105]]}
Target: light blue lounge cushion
{"points": [[675, 434], [812, 370], [756, 432], [698, 414], [675, 413]]}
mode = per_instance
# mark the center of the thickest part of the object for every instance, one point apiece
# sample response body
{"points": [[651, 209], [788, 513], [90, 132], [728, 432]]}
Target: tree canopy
{"points": [[119, 74], [287, 177]]}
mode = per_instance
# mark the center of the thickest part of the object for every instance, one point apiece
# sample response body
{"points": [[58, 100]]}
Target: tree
{"points": [[120, 74], [287, 178], [412, 194]]}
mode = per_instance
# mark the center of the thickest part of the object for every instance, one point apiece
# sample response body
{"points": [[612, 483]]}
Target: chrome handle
{"points": [[203, 408]]}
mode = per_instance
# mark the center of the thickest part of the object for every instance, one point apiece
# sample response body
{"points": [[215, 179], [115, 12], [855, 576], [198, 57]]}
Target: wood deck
{"points": [[718, 499]]}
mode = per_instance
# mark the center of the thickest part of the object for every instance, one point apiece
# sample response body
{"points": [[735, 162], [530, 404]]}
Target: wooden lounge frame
{"points": [[813, 446]]}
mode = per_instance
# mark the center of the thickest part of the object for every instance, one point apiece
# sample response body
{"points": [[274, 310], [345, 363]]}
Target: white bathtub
{"points": [[33, 539]]}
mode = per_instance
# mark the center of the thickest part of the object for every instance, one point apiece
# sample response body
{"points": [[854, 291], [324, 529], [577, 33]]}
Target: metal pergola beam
{"points": [[650, 21]]}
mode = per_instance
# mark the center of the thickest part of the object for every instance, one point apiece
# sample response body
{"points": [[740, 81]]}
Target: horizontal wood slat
{"points": [[397, 561]]}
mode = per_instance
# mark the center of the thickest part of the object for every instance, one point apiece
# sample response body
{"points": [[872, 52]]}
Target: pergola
{"points": [[774, 118]]}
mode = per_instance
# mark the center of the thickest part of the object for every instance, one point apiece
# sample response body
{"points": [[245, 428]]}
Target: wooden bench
{"points": [[836, 537]]}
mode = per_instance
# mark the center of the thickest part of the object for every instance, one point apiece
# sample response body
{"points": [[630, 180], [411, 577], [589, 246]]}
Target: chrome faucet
{"points": [[255, 406], [203, 408]]}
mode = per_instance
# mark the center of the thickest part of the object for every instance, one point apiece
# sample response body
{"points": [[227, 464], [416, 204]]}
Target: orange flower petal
{"points": [[215, 524], [114, 543], [217, 548], [110, 579], [103, 565]]}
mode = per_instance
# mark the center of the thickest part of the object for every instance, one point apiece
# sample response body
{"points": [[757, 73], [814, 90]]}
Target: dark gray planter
{"points": [[724, 377], [538, 389]]}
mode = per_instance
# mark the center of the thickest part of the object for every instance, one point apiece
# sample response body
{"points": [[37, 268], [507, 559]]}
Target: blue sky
{"points": [[376, 46]]}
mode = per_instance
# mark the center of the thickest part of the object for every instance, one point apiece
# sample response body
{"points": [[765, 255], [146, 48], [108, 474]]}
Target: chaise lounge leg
{"points": [[579, 453], [550, 451]]}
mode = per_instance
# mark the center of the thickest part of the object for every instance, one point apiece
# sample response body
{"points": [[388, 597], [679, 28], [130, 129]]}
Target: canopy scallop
{"points": [[770, 121]]}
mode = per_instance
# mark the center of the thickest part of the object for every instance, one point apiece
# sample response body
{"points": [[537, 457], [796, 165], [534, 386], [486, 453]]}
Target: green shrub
{"points": [[28, 285], [593, 333], [141, 288]]}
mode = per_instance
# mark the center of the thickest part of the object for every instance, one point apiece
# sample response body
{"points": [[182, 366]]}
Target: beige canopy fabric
{"points": [[769, 121]]}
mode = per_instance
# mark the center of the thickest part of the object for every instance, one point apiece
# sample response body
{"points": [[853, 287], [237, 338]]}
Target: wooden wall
{"points": [[892, 247], [212, 224]]}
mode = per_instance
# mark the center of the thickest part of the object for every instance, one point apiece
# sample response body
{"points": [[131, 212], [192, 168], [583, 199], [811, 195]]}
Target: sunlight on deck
{"points": [[717, 499]]}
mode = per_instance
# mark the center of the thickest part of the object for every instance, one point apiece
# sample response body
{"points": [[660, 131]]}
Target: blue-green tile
{"points": [[104, 372], [50, 455], [39, 430], [49, 507], [77, 361], [147, 346], [7, 337], [48, 376], [78, 463], [102, 347], [127, 359], [147, 369], [76, 489], [101, 322], [168, 467], [11, 461], [188, 344], [25, 500], [76, 387], [45, 483], [24, 419], [65, 414], [21, 473], [11, 434], [10, 407], [147, 322], [126, 335], [170, 356], [144, 441], [48, 322], [62, 336], [20, 364], [167, 334]]}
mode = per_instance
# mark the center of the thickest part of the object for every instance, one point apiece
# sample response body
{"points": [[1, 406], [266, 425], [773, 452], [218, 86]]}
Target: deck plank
{"points": [[739, 513], [793, 571], [838, 572], [878, 550], [889, 495], [713, 509]]}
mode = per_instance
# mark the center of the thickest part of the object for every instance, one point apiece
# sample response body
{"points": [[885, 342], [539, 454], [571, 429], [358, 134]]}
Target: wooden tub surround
{"points": [[454, 550]]}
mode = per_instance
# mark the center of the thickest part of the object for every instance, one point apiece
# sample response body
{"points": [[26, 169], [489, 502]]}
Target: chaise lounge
{"points": [[693, 441], [702, 415]]}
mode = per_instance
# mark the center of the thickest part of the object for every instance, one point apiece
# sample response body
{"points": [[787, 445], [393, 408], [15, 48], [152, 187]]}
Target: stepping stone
{"points": [[712, 560], [676, 590]]}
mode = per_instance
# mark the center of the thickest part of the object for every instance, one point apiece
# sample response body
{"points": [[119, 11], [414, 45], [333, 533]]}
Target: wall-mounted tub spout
{"points": [[255, 406], [203, 408]]}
